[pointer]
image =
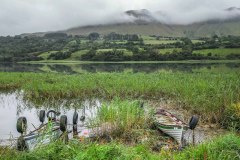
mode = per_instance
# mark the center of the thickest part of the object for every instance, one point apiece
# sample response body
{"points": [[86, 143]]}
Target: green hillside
{"points": [[193, 30]]}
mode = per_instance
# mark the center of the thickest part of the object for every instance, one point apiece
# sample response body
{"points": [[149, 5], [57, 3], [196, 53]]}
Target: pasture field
{"points": [[77, 55], [222, 52], [169, 50], [125, 51], [154, 41], [197, 41], [45, 55]]}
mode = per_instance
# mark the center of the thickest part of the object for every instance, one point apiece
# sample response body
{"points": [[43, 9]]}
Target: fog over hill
{"points": [[165, 17], [26, 16], [143, 21]]}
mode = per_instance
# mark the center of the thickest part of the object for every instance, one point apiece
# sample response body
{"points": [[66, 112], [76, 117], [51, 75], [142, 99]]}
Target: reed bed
{"points": [[123, 119], [206, 94]]}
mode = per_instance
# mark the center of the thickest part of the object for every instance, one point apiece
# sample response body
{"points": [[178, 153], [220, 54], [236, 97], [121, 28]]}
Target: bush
{"points": [[59, 55], [231, 117]]}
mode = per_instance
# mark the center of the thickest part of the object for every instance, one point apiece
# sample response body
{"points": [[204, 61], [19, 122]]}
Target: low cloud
{"points": [[26, 16]]}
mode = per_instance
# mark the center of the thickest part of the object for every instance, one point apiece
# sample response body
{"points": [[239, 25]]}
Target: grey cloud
{"points": [[22, 16]]}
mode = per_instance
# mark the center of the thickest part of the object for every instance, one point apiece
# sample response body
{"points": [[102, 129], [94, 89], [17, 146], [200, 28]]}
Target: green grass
{"points": [[169, 50], [119, 42], [125, 51], [152, 40], [123, 117], [77, 55], [199, 92], [159, 41], [197, 41], [222, 52], [224, 148], [45, 55]]}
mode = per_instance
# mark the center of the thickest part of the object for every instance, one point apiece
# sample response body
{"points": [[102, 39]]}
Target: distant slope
{"points": [[193, 30], [145, 22]]}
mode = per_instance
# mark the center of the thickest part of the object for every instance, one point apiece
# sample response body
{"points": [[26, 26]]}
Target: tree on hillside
{"points": [[93, 36]]}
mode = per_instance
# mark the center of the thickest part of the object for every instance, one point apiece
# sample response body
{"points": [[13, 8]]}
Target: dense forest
{"points": [[60, 46]]}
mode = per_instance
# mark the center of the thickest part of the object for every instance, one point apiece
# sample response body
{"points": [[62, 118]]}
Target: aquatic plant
{"points": [[121, 118]]}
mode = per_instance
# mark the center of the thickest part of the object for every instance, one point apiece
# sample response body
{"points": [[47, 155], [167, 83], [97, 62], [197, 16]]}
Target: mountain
{"points": [[232, 9], [142, 16], [145, 22]]}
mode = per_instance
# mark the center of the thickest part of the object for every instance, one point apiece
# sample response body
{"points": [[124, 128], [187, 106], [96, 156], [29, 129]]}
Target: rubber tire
{"points": [[63, 123], [75, 118], [55, 114], [42, 116], [193, 122], [82, 118], [21, 144], [21, 122]]}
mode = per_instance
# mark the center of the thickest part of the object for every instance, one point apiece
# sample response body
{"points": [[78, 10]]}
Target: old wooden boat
{"points": [[173, 126]]}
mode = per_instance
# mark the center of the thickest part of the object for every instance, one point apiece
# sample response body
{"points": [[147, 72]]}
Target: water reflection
{"points": [[13, 106], [15, 67], [118, 67]]}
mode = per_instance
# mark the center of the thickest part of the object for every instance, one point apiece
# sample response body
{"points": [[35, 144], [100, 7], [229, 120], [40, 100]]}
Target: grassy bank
{"points": [[224, 147], [203, 93]]}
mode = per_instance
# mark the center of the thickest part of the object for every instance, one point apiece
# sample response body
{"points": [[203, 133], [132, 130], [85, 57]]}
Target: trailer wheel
{"points": [[75, 118], [22, 125], [52, 115], [42, 116], [21, 144], [82, 118], [63, 123], [193, 122]]}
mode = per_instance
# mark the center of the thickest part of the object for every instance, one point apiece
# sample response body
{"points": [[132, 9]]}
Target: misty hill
{"points": [[145, 22], [193, 30]]}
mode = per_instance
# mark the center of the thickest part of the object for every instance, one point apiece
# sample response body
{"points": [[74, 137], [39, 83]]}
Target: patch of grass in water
{"points": [[123, 119]]}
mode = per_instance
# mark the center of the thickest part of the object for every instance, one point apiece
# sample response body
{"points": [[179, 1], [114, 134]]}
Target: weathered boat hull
{"points": [[175, 132]]}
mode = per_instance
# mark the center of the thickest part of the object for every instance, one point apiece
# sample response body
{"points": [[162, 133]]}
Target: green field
{"points": [[159, 41], [77, 55], [154, 41], [197, 41], [125, 51], [45, 55], [169, 50], [222, 52]]}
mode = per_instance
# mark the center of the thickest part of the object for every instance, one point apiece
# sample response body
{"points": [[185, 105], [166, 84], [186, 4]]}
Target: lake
{"points": [[120, 67]]}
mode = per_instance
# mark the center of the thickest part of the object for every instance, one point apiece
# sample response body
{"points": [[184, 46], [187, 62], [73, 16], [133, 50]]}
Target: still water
{"points": [[120, 67], [12, 106]]}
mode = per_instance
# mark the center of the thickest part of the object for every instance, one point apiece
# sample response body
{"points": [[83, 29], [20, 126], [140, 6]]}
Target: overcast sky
{"points": [[26, 16]]}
